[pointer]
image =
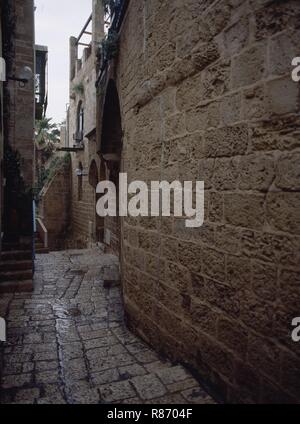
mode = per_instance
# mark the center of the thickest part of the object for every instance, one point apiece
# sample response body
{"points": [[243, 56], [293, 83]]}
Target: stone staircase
{"points": [[16, 268], [39, 246]]}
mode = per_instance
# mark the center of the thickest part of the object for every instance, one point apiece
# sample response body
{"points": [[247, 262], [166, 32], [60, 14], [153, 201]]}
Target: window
{"points": [[80, 182], [80, 121]]}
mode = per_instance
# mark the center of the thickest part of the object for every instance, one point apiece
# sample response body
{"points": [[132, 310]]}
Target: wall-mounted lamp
{"points": [[24, 77], [81, 173]]}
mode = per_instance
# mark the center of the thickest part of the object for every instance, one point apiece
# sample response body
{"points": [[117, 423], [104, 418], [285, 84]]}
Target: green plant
{"points": [[109, 6], [110, 45], [45, 175], [78, 88], [46, 132]]}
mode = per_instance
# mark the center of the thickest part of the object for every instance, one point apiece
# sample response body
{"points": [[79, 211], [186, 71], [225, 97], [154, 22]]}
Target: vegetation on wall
{"points": [[109, 6], [47, 173], [78, 88], [47, 138], [110, 46]]}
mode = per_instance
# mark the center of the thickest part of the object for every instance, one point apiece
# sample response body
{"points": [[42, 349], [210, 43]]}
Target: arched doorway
{"points": [[93, 181], [111, 152]]}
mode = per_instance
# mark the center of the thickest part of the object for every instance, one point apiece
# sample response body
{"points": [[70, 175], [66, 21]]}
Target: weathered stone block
{"points": [[290, 365], [244, 210], [231, 110], [256, 313], [288, 172], [264, 281], [282, 49], [226, 173], [227, 239], [203, 117], [190, 93], [282, 211], [216, 207], [256, 172], [289, 289], [213, 264], [190, 256], [175, 126], [253, 102], [204, 317], [216, 80], [249, 67], [228, 141], [238, 272], [237, 36], [282, 96], [234, 336], [276, 17]]}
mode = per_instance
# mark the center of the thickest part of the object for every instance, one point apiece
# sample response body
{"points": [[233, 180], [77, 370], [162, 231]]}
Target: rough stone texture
{"points": [[68, 343], [85, 224], [206, 93], [54, 207], [17, 119]]}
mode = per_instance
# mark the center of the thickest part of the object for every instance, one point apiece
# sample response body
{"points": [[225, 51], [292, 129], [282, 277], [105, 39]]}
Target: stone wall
{"points": [[206, 94], [18, 51], [1, 131], [84, 71], [54, 207]]}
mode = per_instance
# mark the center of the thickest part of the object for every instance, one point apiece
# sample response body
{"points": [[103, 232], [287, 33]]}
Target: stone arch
{"points": [[111, 134], [93, 174]]}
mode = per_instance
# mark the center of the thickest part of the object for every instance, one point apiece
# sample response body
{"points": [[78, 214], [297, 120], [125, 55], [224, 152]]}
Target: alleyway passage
{"points": [[67, 342]]}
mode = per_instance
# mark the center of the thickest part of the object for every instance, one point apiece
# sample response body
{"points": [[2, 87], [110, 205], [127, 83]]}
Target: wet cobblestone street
{"points": [[67, 341]]}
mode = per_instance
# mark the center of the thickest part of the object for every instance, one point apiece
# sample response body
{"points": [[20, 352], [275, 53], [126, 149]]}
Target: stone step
{"points": [[16, 286], [15, 265], [16, 275], [16, 255], [7, 246]]}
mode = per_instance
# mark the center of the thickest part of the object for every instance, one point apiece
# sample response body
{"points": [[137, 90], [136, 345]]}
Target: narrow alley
{"points": [[68, 343]]}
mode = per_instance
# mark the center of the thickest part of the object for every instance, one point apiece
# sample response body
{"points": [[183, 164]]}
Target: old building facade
{"points": [[17, 25], [81, 134], [199, 90]]}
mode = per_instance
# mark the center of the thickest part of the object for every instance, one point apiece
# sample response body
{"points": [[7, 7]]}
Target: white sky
{"points": [[55, 22]]}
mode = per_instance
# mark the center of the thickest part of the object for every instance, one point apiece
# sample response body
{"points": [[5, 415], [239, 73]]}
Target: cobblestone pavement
{"points": [[67, 342]]}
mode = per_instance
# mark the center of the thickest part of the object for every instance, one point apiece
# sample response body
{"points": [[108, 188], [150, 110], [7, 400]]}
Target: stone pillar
{"points": [[98, 24], [73, 56]]}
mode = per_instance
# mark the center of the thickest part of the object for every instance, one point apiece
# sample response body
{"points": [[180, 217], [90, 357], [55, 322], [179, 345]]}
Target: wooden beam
{"points": [[84, 28]]}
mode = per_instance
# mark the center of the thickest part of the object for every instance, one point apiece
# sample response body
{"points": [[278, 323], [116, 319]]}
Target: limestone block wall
{"points": [[83, 209], [19, 52], [54, 207], [206, 94], [18, 120]]}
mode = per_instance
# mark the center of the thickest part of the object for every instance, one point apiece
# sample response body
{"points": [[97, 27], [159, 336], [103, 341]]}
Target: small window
{"points": [[80, 182], [80, 119]]}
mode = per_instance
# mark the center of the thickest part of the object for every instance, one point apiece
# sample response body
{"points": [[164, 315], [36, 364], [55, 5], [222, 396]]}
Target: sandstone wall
{"points": [[19, 52], [206, 94], [18, 109], [54, 207], [84, 209]]}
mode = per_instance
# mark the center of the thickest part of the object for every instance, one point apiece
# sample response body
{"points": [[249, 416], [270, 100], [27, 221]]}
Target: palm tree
{"points": [[46, 133], [47, 137]]}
